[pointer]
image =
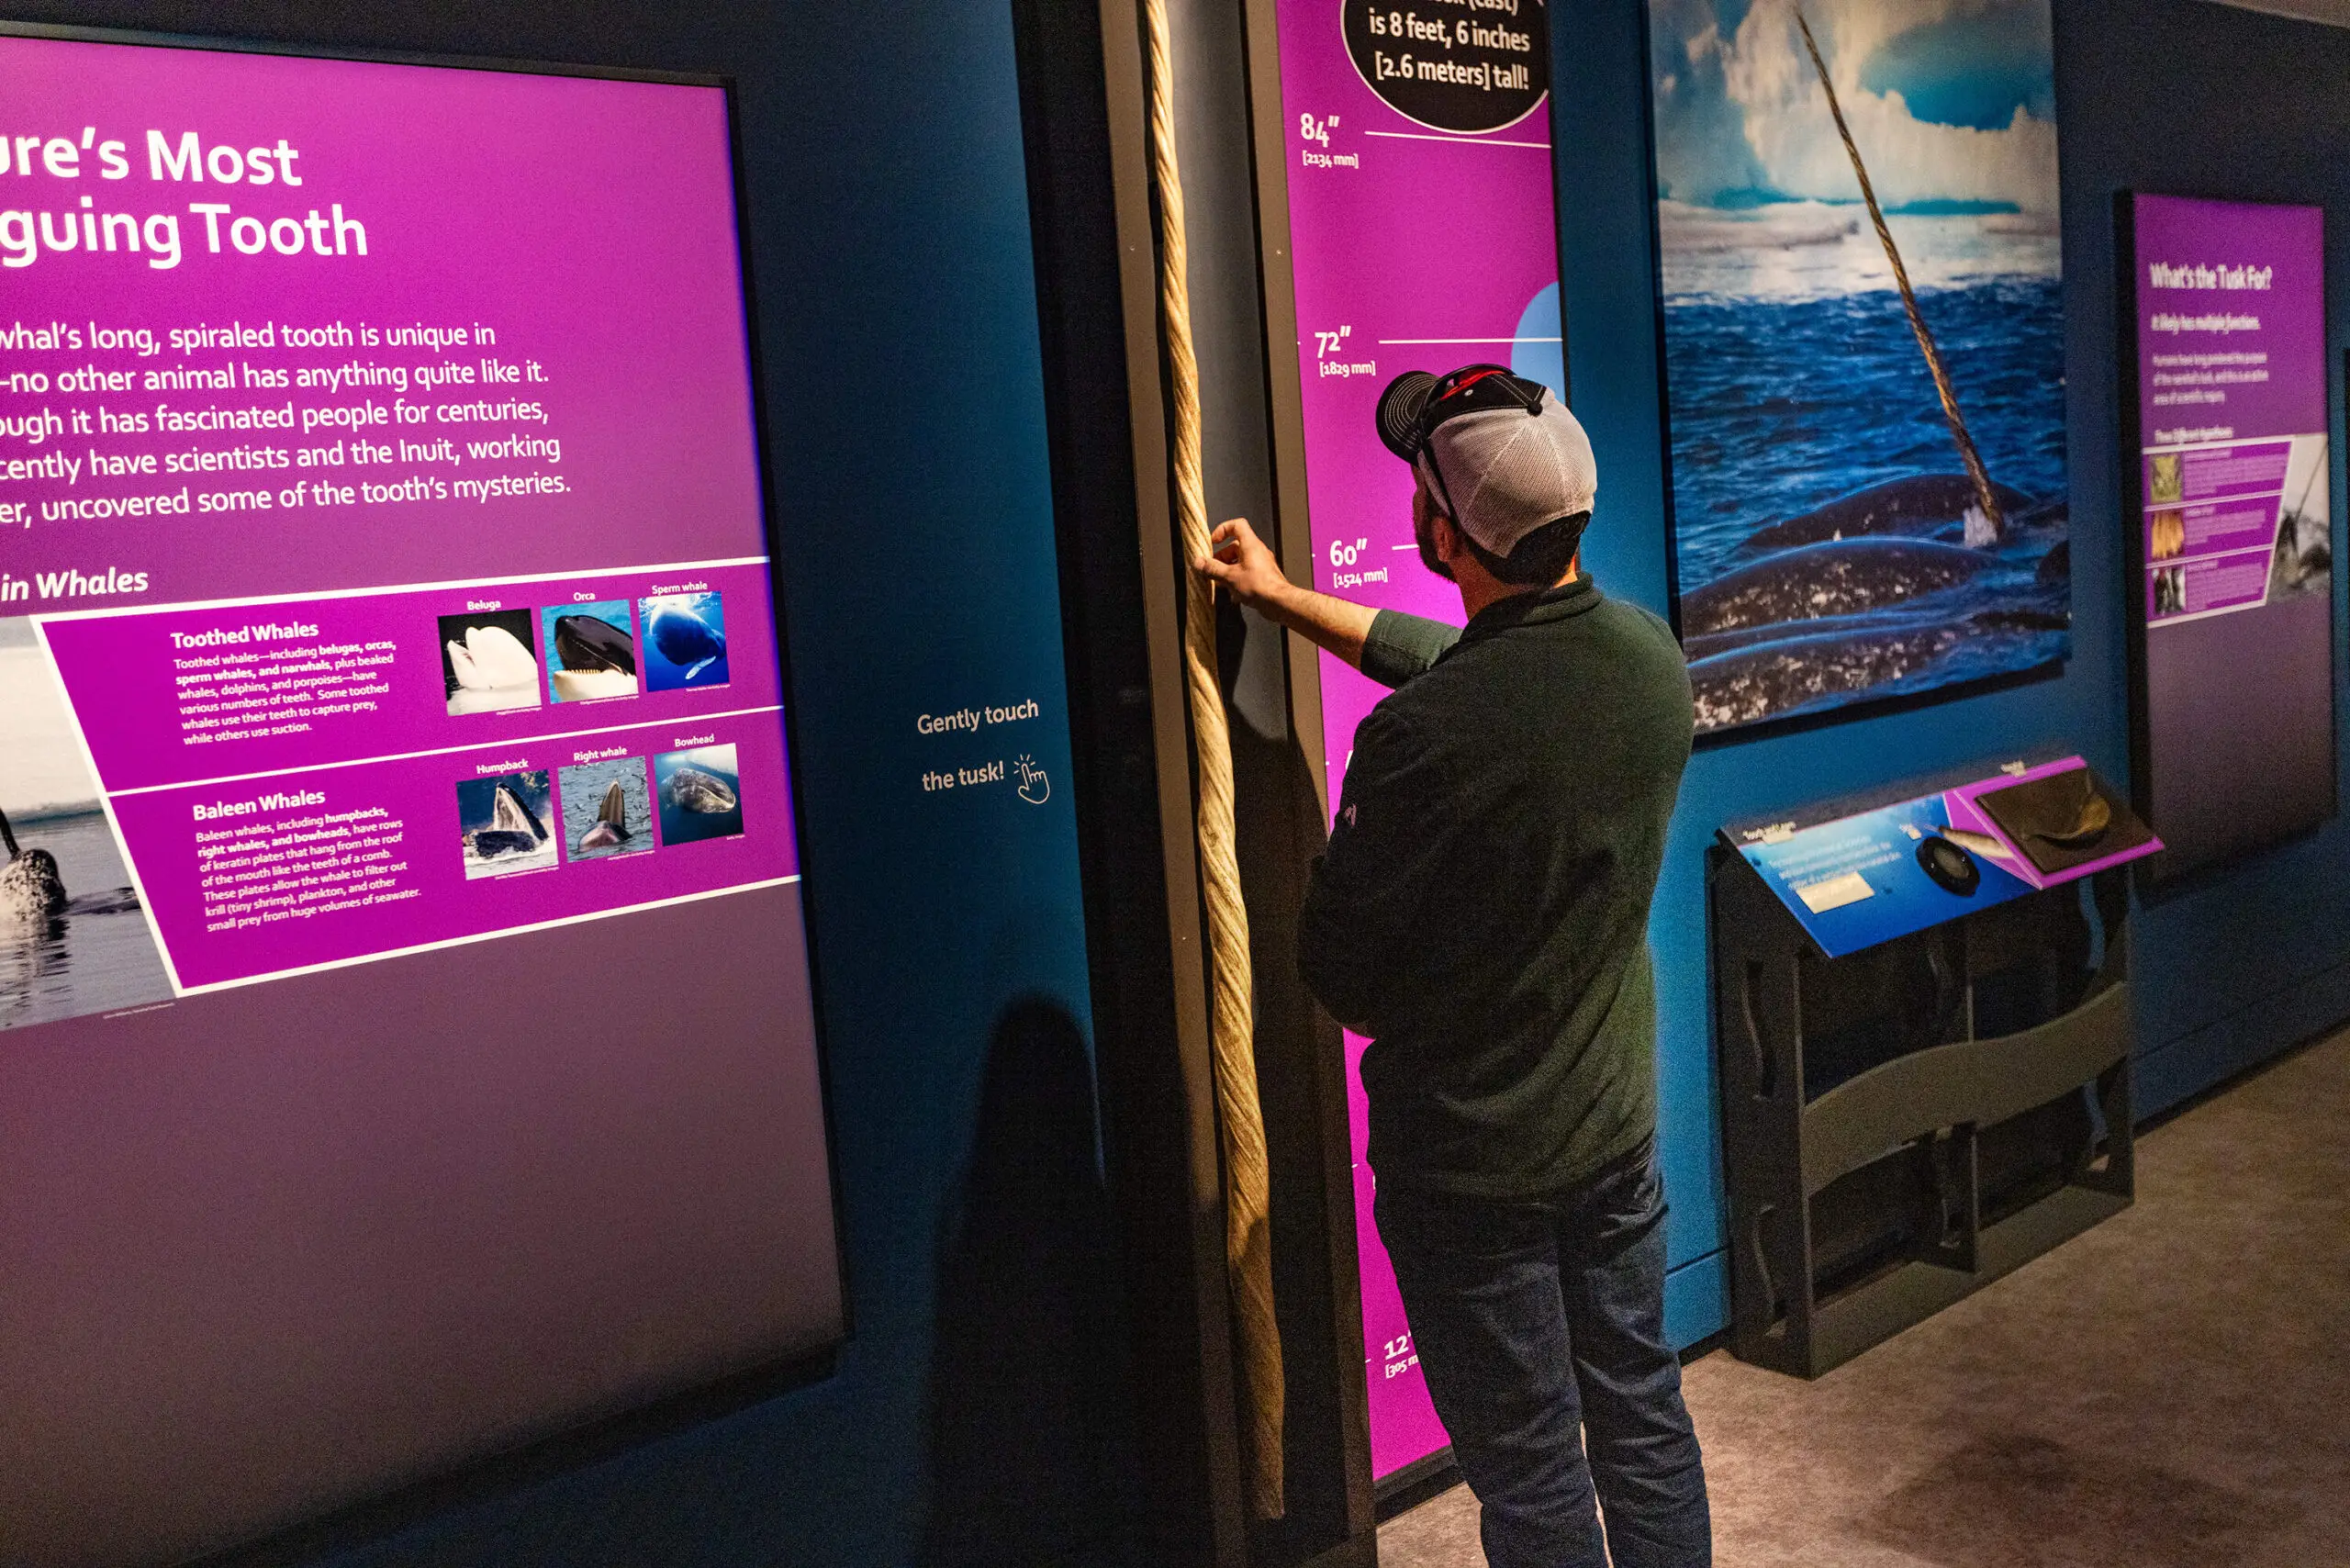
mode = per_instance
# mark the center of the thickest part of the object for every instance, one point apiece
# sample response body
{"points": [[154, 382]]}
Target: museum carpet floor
{"points": [[2171, 1390]]}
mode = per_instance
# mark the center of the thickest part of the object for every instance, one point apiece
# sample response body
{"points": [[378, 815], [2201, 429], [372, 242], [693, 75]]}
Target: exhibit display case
{"points": [[1924, 1038]]}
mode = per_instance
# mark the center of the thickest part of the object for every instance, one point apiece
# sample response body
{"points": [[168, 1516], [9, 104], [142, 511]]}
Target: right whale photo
{"points": [[1861, 286]]}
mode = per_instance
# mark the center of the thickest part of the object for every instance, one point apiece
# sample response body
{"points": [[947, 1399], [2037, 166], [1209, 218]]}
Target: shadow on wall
{"points": [[1031, 1439]]}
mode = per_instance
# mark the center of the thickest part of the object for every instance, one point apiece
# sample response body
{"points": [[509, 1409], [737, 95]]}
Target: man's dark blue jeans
{"points": [[1533, 1319]]}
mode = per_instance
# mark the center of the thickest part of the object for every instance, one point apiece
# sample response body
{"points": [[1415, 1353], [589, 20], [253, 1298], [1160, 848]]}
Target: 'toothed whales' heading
{"points": [[265, 632], [26, 235]]}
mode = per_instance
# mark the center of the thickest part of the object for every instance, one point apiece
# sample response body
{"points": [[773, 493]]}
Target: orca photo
{"points": [[685, 635], [606, 809], [701, 794], [488, 662], [503, 821], [591, 651]]}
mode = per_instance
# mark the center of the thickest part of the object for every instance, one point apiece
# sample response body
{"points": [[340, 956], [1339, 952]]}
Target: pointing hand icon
{"points": [[1034, 787]]}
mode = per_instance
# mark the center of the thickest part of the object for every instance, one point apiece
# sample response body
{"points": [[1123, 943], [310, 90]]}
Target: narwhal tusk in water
{"points": [[30, 888], [1991, 525]]}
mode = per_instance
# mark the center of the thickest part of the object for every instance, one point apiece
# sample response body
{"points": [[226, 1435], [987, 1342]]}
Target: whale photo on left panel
{"points": [[489, 662]]}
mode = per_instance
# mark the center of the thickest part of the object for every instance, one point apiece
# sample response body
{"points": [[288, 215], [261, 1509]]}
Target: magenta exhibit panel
{"points": [[2233, 596], [1432, 131], [406, 1047]]}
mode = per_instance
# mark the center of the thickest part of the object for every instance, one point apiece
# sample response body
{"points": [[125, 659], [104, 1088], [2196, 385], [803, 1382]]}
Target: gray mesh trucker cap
{"points": [[1502, 453]]}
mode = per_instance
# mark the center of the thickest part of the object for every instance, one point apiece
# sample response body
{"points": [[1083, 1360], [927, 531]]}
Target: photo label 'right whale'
{"points": [[1913, 505], [1840, 578]]}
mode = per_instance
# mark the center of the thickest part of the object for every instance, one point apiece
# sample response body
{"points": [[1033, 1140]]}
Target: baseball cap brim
{"points": [[1400, 407]]}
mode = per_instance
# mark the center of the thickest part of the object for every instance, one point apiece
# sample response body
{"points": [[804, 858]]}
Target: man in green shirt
{"points": [[1482, 914]]}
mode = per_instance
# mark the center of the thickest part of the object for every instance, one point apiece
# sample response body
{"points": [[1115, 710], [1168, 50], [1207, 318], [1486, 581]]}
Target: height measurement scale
{"points": [[1424, 235]]}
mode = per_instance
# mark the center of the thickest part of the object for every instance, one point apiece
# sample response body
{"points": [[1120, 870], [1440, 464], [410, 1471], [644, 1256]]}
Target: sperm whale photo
{"points": [[1862, 282], [685, 641]]}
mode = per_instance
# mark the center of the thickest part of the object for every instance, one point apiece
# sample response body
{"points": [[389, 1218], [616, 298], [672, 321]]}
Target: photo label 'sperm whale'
{"points": [[611, 822], [1840, 578], [586, 643], [691, 790], [685, 640], [1913, 505]]}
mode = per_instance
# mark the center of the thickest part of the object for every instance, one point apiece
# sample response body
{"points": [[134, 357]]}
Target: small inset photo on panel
{"points": [[504, 821], [685, 641], [607, 810], [701, 794], [489, 662], [591, 650]]}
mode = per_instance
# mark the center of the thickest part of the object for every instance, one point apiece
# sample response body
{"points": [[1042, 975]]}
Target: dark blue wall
{"points": [[889, 231], [2171, 95]]}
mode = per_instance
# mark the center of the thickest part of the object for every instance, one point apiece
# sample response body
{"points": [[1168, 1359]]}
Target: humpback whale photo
{"points": [[1862, 289], [686, 639], [591, 652], [701, 793], [504, 823]]}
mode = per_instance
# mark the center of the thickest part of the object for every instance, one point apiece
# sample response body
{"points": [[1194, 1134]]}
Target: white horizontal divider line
{"points": [[513, 742], [1406, 343], [1456, 140], [486, 936]]}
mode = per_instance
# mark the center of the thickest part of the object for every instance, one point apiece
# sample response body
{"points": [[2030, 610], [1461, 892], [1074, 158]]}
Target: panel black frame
{"points": [[502, 1471]]}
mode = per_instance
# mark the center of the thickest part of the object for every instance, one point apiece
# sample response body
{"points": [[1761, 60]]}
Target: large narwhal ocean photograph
{"points": [[72, 937], [1864, 346]]}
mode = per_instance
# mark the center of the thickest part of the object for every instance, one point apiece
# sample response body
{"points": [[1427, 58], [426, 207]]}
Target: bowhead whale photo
{"points": [[74, 939], [1862, 295]]}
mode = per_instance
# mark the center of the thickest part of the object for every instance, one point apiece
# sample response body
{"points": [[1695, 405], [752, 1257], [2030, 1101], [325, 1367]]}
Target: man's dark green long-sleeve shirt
{"points": [[1483, 911]]}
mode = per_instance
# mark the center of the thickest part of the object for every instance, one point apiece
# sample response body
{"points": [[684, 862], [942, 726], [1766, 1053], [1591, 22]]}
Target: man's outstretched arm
{"points": [[1245, 566], [1244, 563]]}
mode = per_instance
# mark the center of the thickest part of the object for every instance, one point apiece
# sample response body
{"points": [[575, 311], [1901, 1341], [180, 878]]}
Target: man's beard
{"points": [[1424, 536]]}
